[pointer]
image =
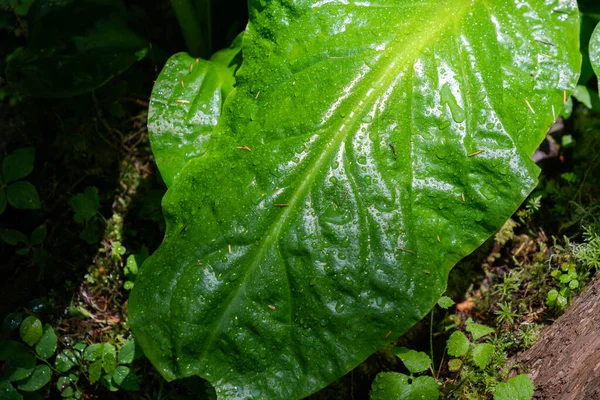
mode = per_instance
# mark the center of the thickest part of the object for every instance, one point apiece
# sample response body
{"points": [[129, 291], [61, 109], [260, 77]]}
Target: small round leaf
{"points": [[31, 330], [65, 360], [18, 164], [38, 379], [46, 346], [23, 195]]}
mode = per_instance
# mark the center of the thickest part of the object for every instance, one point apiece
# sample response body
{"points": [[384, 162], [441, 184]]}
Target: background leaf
{"points": [[18, 164], [12, 236], [38, 379], [38, 235], [75, 46], [477, 330], [415, 361], [31, 330], [23, 195], [46, 346], [129, 352], [3, 200], [445, 302], [394, 386], [364, 138], [8, 392], [85, 204]]}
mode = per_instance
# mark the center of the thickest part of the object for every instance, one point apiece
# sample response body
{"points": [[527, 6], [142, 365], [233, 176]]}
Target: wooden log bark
{"points": [[565, 362]]}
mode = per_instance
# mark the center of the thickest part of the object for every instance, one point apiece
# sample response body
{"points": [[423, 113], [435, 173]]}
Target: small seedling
{"points": [[393, 385]]}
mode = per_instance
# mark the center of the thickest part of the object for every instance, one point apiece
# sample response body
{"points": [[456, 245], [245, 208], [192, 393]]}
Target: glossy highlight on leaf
{"points": [[595, 53], [381, 154]]}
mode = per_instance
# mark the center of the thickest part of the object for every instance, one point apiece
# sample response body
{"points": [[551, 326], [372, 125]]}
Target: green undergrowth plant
{"points": [[393, 385], [33, 365], [14, 190], [478, 369], [325, 170]]}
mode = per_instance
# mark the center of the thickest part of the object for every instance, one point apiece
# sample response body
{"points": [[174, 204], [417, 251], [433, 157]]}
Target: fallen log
{"points": [[565, 362]]}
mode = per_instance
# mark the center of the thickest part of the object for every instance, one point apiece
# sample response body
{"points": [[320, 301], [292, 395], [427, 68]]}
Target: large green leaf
{"points": [[186, 105], [369, 122], [595, 52]]}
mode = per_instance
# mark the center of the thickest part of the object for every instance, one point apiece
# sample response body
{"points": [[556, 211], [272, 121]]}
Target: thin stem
{"points": [[431, 339], [191, 28]]}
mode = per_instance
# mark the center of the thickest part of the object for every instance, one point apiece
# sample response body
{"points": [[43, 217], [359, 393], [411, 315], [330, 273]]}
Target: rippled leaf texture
{"points": [[186, 105], [286, 266], [595, 52]]}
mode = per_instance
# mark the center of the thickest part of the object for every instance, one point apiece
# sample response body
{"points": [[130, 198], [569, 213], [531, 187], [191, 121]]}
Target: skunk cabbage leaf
{"points": [[367, 147]]}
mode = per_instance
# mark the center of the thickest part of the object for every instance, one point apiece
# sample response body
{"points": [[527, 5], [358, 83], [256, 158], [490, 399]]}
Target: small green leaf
{"points": [[424, 387], [458, 344], [95, 371], [551, 298], [46, 347], [85, 204], [390, 386], [12, 236], [517, 388], [125, 378], [3, 200], [12, 373], [477, 330], [415, 361], [23, 195], [65, 360], [31, 330], [18, 164], [118, 249], [574, 284], [482, 354], [129, 351], [39, 378], [108, 381], [454, 364], [567, 109], [67, 391], [134, 262], [39, 234], [128, 285], [582, 94], [394, 386], [445, 302], [561, 301], [8, 392]]}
